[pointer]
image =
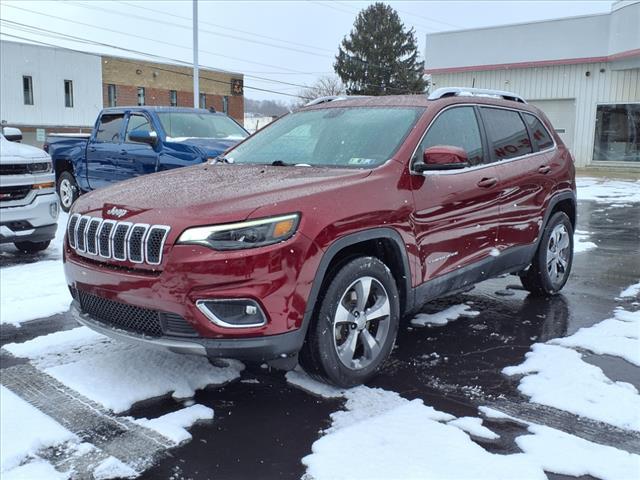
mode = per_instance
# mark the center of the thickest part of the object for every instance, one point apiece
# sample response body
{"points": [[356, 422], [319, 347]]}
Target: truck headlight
{"points": [[248, 234]]}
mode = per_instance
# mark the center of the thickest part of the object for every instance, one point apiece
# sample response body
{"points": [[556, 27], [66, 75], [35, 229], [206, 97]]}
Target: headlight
{"points": [[40, 167], [249, 234]]}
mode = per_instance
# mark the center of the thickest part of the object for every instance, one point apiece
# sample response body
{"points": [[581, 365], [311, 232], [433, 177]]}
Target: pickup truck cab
{"points": [[127, 142], [28, 202]]}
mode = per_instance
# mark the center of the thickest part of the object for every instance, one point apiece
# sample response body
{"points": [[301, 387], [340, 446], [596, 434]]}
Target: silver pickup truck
{"points": [[28, 200]]}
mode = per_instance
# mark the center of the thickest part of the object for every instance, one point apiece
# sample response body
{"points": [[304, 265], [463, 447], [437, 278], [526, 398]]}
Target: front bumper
{"points": [[257, 349], [35, 222]]}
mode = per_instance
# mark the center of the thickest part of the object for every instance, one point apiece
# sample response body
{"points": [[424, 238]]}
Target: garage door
{"points": [[562, 114]]}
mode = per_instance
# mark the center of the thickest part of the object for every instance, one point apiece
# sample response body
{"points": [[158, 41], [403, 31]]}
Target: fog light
{"points": [[53, 210], [233, 313]]}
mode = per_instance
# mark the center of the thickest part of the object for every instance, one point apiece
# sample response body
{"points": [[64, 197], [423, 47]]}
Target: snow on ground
{"points": [[118, 374], [445, 316], [618, 336], [608, 191], [173, 425], [113, 468], [37, 469], [408, 439], [25, 430], [558, 377], [581, 242], [631, 291], [35, 290]]}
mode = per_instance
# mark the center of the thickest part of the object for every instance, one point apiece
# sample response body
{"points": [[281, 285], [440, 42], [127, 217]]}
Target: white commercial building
{"points": [[45, 88], [583, 72]]}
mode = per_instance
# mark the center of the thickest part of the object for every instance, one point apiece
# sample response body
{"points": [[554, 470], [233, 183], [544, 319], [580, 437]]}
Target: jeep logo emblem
{"points": [[117, 212]]}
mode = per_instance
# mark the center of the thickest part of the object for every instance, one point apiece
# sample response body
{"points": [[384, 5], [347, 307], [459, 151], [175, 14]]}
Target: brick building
{"points": [[132, 82], [50, 89]]}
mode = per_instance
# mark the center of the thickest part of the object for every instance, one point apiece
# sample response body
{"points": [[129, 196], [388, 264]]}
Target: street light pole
{"points": [[196, 74]]}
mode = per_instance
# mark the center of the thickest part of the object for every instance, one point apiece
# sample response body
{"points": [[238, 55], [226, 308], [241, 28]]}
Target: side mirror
{"points": [[12, 134], [143, 136], [442, 157]]}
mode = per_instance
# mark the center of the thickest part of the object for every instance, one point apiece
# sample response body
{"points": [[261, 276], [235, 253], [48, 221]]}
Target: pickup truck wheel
{"points": [[32, 247], [356, 325], [68, 190], [551, 265]]}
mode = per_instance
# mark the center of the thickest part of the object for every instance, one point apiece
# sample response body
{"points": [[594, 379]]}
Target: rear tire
{"points": [[32, 247], [551, 265], [68, 190], [354, 329]]}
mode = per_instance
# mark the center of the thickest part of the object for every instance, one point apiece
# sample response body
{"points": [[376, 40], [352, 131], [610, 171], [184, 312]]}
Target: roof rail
{"points": [[326, 99], [474, 92]]}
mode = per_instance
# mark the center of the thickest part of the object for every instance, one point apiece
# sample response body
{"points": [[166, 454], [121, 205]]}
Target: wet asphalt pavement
{"points": [[262, 428]]}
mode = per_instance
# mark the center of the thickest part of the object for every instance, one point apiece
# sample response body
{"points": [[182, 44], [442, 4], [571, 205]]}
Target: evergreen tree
{"points": [[379, 57]]}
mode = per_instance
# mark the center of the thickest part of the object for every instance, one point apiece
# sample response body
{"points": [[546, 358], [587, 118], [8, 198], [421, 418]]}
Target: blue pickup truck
{"points": [[130, 141]]}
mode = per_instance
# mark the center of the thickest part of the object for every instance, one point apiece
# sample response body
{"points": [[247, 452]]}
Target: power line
{"points": [[133, 61]]}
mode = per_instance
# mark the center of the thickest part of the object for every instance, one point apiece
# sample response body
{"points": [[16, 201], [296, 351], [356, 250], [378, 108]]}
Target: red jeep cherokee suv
{"points": [[317, 234]]}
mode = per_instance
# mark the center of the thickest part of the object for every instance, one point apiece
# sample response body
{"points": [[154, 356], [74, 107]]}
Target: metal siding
{"points": [[561, 82]]}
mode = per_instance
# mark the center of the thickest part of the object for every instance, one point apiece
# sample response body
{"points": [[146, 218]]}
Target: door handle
{"points": [[544, 169], [487, 182]]}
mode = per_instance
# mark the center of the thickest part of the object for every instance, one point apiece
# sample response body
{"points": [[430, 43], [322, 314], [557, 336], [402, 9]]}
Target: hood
{"points": [[18, 152], [210, 147], [205, 194]]}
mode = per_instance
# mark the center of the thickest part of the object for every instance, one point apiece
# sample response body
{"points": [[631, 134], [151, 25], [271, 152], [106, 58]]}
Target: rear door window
{"points": [[506, 132], [109, 128], [540, 136], [457, 127]]}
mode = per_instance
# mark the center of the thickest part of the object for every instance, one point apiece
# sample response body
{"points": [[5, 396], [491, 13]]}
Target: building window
{"points": [[617, 137], [27, 89], [140, 96], [68, 93], [112, 95], [203, 100], [225, 104], [173, 98]]}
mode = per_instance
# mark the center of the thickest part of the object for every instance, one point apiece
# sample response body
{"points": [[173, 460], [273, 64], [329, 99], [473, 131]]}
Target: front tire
{"points": [[68, 190], [353, 331], [32, 247], [551, 265]]}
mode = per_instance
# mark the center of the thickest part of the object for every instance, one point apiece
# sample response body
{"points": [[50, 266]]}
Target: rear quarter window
{"points": [[508, 137], [540, 137]]}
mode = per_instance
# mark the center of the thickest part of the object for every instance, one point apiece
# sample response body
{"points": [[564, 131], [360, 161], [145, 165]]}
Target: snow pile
{"points": [[581, 242], [608, 191], [37, 469], [117, 374], [113, 468], [445, 316], [33, 291], [618, 336], [173, 425], [20, 422], [407, 439], [558, 377], [631, 292]]}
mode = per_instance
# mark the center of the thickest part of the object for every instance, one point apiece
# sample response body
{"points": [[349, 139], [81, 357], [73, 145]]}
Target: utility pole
{"points": [[196, 73]]}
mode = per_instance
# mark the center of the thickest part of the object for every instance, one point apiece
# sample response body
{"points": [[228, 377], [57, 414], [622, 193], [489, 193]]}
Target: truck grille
{"points": [[120, 241], [8, 194], [141, 321]]}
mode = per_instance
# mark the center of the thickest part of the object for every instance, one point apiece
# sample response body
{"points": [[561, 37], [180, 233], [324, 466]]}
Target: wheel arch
{"points": [[63, 165], [385, 244]]}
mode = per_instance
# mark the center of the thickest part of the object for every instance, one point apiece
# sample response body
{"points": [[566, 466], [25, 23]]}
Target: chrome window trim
{"points": [[142, 242], [75, 228], [106, 222], [84, 234], [124, 242], [93, 220], [481, 166], [166, 229]]}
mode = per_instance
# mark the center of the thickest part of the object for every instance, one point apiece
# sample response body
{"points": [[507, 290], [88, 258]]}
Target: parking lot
{"points": [[491, 383]]}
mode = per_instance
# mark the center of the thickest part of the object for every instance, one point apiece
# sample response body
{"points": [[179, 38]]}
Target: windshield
{"points": [[344, 137], [183, 125]]}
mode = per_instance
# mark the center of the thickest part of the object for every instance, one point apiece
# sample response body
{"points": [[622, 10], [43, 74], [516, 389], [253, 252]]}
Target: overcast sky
{"points": [[286, 41]]}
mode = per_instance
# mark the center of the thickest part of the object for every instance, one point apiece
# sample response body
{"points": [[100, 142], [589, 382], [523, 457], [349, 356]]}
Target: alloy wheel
{"points": [[558, 252]]}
